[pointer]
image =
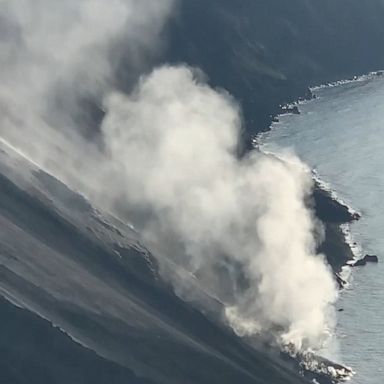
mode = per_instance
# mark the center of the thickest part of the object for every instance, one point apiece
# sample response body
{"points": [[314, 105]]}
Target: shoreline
{"points": [[369, 76], [339, 246], [293, 107], [336, 217]]}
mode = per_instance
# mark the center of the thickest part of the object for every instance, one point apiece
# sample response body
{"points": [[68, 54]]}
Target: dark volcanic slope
{"points": [[267, 52], [33, 351], [88, 274]]}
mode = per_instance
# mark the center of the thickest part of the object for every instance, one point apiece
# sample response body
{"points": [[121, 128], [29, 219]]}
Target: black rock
{"points": [[360, 263], [356, 216], [365, 260], [371, 259], [340, 281], [290, 109]]}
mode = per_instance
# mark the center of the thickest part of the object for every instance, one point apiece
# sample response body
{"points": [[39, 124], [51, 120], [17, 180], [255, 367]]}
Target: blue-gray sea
{"points": [[341, 135]]}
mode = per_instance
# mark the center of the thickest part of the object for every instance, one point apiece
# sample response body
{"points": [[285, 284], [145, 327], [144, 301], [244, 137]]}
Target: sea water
{"points": [[340, 135]]}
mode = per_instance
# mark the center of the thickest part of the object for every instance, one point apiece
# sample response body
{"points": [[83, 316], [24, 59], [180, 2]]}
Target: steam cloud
{"points": [[165, 158], [58, 60]]}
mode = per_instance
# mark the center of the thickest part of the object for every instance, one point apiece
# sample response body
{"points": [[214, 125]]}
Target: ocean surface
{"points": [[340, 135]]}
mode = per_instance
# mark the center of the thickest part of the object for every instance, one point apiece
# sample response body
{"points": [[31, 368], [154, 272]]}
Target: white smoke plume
{"points": [[58, 56], [166, 160], [240, 227]]}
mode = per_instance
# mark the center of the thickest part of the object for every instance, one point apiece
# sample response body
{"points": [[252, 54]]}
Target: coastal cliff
{"points": [[269, 52]]}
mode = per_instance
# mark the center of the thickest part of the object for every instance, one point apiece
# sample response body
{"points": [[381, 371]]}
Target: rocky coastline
{"points": [[335, 215]]}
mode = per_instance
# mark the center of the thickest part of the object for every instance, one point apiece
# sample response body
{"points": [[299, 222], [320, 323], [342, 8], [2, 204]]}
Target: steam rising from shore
{"points": [[165, 158], [240, 226]]}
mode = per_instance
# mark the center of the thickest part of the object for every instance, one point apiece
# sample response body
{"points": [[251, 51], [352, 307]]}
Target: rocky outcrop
{"points": [[287, 109], [340, 281], [268, 53], [366, 259]]}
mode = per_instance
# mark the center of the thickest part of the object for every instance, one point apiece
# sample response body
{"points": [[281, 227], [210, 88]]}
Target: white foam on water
{"points": [[355, 79]]}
